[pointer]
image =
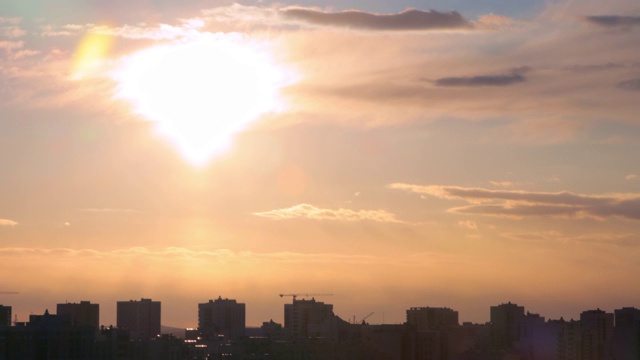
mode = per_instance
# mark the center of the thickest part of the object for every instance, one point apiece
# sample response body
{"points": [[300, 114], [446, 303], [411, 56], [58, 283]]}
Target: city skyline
{"points": [[393, 154], [312, 330], [227, 311]]}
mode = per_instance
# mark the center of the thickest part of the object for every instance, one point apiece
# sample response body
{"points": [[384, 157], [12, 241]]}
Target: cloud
{"points": [[7, 223], [541, 131], [623, 240], [502, 183], [64, 30], [410, 19], [225, 256], [520, 204], [185, 29], [12, 20], [514, 77], [468, 224], [631, 177], [496, 22], [15, 50], [24, 53], [108, 210], [629, 85], [482, 195], [160, 32], [135, 32], [388, 88], [583, 68], [612, 21], [306, 211], [517, 211], [609, 239], [10, 46], [12, 32], [536, 236], [575, 69], [241, 13]]}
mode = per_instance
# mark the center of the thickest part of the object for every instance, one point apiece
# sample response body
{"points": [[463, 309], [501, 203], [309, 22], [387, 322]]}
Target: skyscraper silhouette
{"points": [[83, 314], [221, 317], [141, 318]]}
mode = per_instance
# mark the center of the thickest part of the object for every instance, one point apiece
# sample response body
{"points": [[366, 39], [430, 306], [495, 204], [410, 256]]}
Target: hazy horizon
{"points": [[189, 319]]}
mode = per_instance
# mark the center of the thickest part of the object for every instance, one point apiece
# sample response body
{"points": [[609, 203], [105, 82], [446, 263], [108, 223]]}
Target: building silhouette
{"points": [[309, 318], [597, 334], [535, 337], [47, 336], [431, 318], [272, 329], [84, 313], [5, 315], [568, 336], [505, 325], [312, 331], [224, 317], [141, 318], [626, 334], [627, 317]]}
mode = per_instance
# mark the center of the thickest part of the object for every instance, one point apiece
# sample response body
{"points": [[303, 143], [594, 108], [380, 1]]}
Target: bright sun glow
{"points": [[202, 92]]}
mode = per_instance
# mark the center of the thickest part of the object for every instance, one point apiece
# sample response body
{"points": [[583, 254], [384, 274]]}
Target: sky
{"points": [[391, 154]]}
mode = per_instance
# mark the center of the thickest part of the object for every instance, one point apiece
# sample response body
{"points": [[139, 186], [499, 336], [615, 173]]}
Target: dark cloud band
{"points": [[518, 203], [629, 85], [614, 20], [410, 19], [516, 76]]}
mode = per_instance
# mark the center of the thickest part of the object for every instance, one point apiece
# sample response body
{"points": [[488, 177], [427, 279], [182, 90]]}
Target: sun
{"points": [[201, 92]]}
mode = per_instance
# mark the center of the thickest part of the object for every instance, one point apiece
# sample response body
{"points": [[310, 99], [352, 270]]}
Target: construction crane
{"points": [[304, 295], [363, 319], [366, 317]]}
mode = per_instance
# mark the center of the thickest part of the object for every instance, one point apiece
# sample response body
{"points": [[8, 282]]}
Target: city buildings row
{"points": [[312, 331]]}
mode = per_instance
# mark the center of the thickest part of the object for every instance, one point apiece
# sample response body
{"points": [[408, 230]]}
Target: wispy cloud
{"points": [[585, 68], [609, 239], [159, 32], [11, 45], [244, 15], [67, 29], [514, 77], [536, 236], [108, 210], [503, 183], [519, 203], [630, 85], [468, 224], [410, 19], [496, 22], [623, 240], [391, 83], [7, 223], [631, 177], [306, 211], [135, 32], [614, 20], [12, 31], [226, 256], [11, 20]]}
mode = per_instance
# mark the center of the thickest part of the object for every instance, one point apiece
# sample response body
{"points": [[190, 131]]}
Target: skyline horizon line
{"points": [[348, 319]]}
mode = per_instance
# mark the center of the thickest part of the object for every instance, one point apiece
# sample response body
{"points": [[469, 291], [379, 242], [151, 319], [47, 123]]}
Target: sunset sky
{"points": [[391, 153]]}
